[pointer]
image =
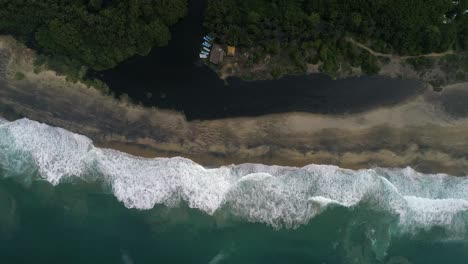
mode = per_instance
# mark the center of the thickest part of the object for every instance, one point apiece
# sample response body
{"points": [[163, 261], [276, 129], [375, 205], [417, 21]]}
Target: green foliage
{"points": [[369, 64], [421, 63], [66, 66], [356, 20], [463, 30], [409, 27], [353, 54], [95, 33], [460, 76], [276, 72], [19, 76], [273, 47], [449, 63], [95, 5], [406, 27]]}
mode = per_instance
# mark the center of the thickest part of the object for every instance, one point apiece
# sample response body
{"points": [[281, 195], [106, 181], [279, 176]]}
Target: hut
{"points": [[231, 51], [217, 54]]}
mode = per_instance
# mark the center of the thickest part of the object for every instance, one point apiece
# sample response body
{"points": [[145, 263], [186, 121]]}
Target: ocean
{"points": [[63, 200]]}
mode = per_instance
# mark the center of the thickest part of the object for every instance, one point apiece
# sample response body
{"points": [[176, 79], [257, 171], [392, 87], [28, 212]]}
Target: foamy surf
{"points": [[283, 197]]}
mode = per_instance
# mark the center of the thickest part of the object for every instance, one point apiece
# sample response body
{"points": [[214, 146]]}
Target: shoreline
{"points": [[396, 68], [352, 161]]}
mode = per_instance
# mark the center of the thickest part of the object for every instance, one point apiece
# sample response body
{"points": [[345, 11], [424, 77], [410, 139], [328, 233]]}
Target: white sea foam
{"points": [[126, 259], [219, 258], [3, 120], [424, 213], [56, 152], [275, 195]]}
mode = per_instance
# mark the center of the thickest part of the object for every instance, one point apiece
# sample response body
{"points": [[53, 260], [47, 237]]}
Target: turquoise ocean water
{"points": [[62, 200]]}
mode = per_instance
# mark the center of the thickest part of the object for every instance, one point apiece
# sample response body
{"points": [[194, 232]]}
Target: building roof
{"points": [[231, 51], [217, 54]]}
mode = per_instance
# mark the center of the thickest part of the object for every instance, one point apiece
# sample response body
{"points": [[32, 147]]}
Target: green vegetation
{"points": [[421, 63], [312, 31], [19, 76], [283, 36], [95, 34], [453, 63]]}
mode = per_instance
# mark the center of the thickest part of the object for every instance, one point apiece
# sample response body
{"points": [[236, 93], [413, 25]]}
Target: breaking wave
{"points": [[283, 197]]}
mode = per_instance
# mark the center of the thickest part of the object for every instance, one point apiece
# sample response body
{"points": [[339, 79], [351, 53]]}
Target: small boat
{"points": [[207, 49], [206, 44], [204, 52], [207, 39], [203, 56]]}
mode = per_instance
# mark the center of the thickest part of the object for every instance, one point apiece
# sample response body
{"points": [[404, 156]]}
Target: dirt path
{"points": [[395, 57]]}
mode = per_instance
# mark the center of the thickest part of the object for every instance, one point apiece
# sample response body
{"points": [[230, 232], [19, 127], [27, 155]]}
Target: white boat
{"points": [[206, 44], [203, 56], [207, 49]]}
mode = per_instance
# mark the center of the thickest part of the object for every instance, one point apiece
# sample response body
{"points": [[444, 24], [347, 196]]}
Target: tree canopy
{"points": [[404, 26], [312, 31], [97, 33]]}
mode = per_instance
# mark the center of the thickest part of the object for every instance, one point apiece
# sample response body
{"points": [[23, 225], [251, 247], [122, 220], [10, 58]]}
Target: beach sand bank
{"points": [[420, 133]]}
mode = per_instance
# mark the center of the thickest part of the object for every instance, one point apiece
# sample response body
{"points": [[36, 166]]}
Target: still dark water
{"points": [[174, 78]]}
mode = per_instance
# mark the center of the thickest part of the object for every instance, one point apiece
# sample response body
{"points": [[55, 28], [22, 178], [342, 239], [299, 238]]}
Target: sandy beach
{"points": [[428, 132]]}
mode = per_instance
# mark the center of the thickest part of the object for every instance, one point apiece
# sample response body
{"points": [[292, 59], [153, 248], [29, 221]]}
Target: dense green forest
{"points": [[407, 27], [79, 34], [93, 33]]}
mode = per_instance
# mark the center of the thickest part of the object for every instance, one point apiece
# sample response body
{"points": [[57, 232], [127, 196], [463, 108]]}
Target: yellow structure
{"points": [[231, 51]]}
